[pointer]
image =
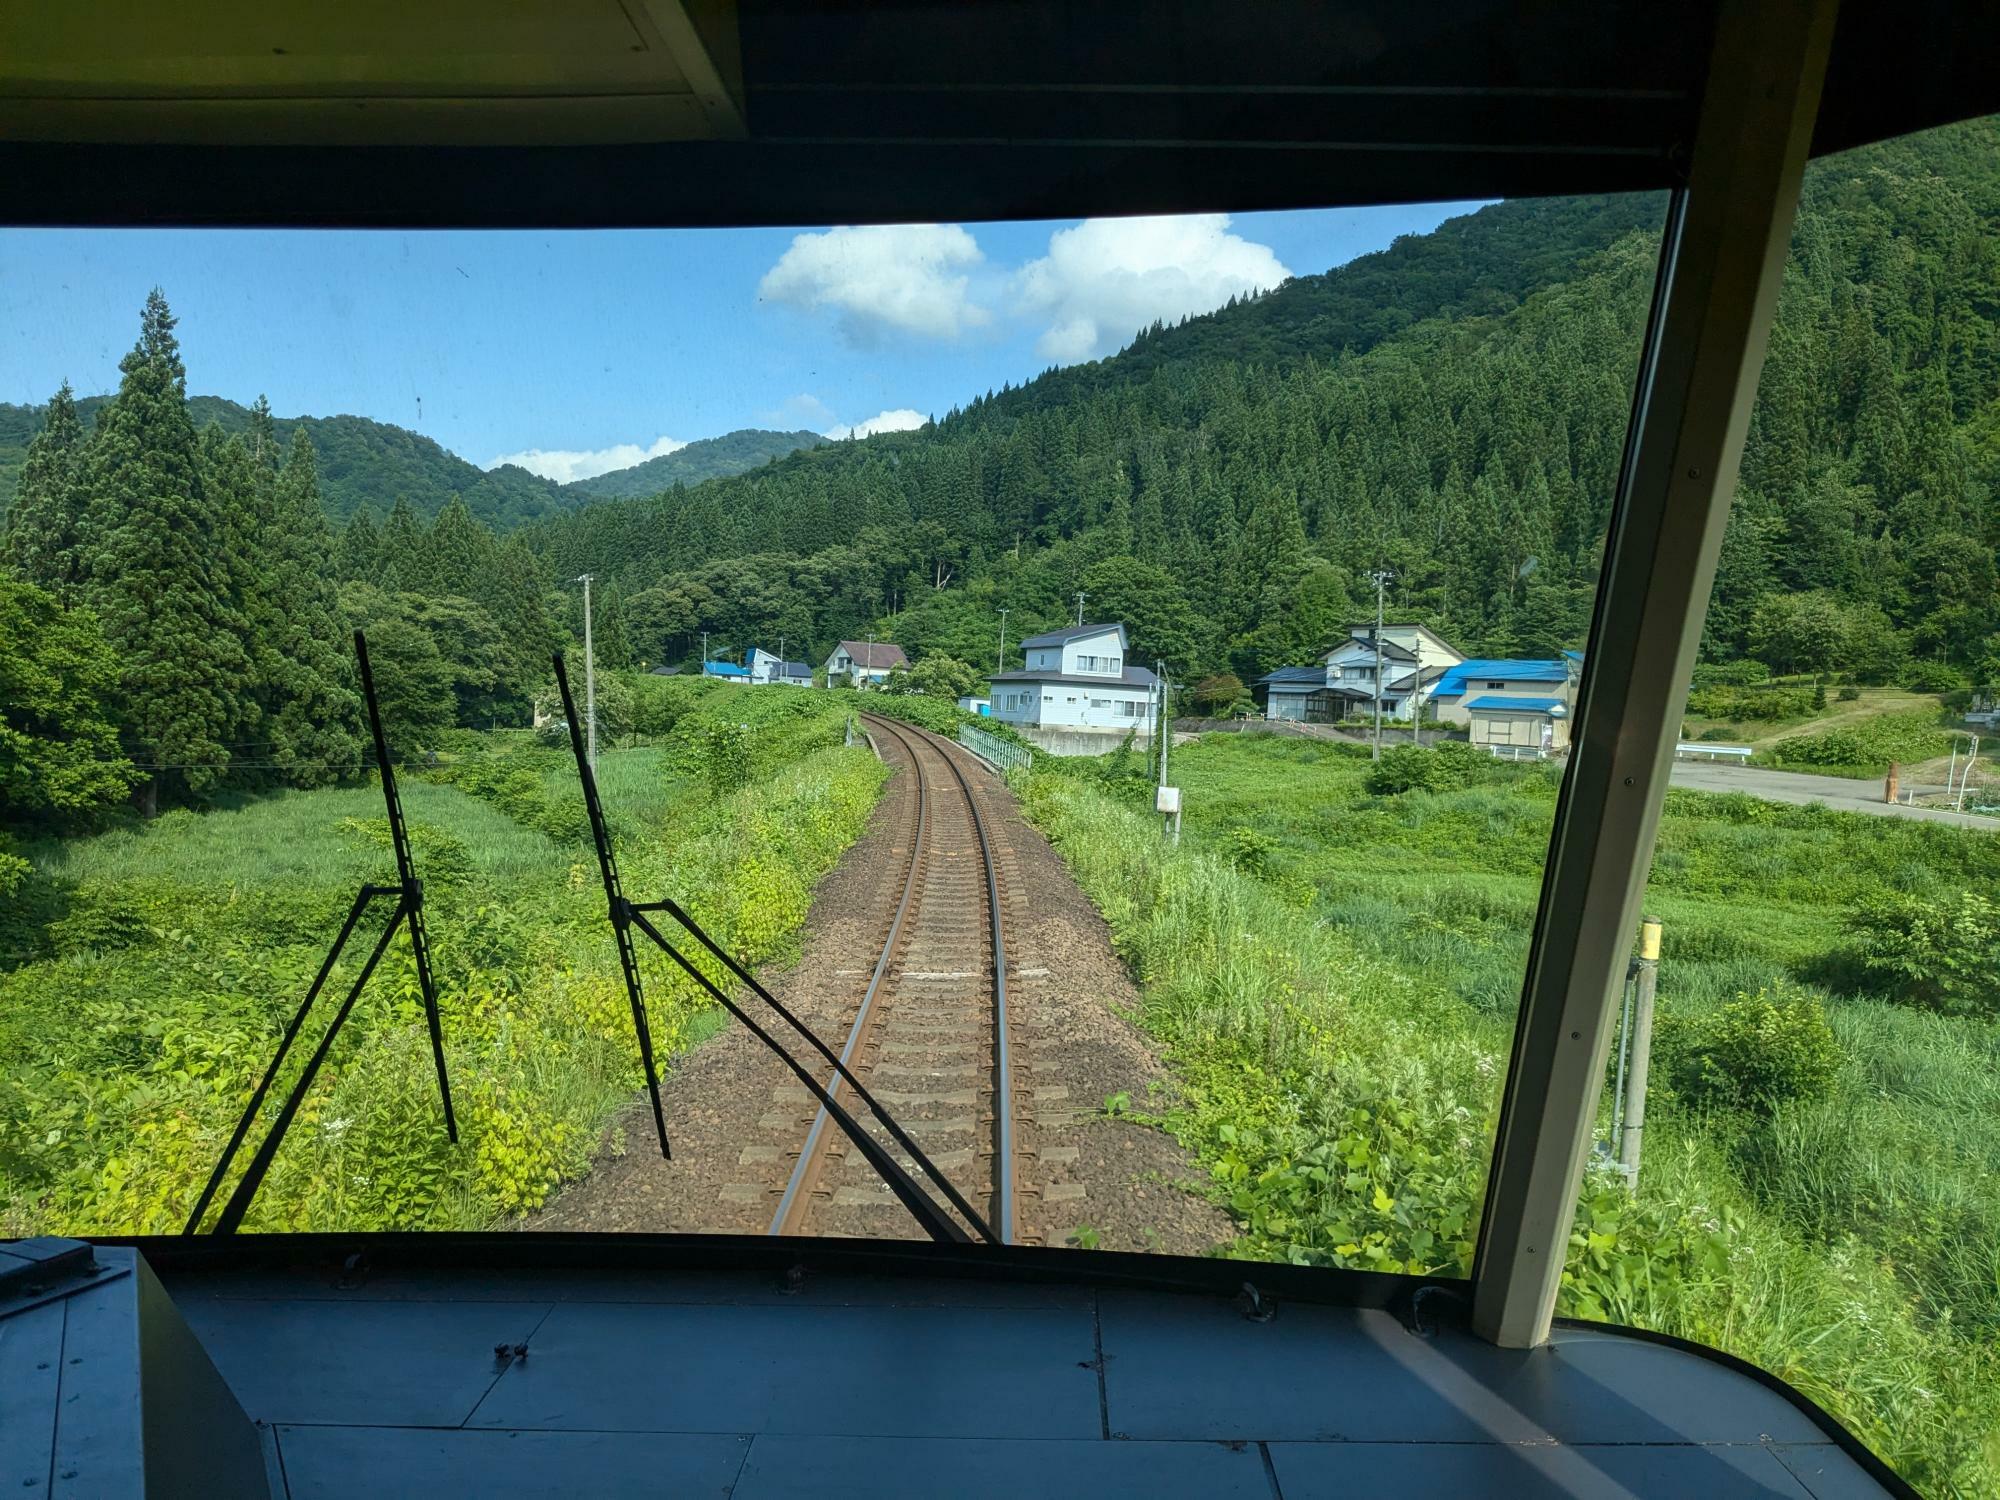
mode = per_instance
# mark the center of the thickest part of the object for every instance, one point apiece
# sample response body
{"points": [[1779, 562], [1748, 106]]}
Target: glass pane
{"points": [[1819, 1189], [1258, 997]]}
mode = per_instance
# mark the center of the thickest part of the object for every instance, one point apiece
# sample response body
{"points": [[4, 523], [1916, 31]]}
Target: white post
{"points": [[1000, 662]]}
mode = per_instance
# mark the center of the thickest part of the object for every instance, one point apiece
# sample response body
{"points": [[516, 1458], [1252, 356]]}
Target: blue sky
{"points": [[576, 352]]}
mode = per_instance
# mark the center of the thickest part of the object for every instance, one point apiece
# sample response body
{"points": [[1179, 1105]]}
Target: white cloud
{"points": [[900, 420], [1106, 279], [802, 410], [877, 279], [566, 464]]}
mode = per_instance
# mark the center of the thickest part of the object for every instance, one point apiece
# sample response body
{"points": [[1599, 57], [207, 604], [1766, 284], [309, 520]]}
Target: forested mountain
{"points": [[1452, 409], [710, 458], [364, 462]]}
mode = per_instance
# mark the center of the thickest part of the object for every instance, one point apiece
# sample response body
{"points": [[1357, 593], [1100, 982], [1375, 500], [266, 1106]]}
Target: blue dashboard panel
{"points": [[870, 1376]]}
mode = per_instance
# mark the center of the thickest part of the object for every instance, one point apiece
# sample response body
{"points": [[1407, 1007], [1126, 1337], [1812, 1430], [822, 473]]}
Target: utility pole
{"points": [[1080, 597], [1167, 799], [589, 676], [868, 661], [1382, 577], [1646, 979], [1000, 662], [781, 661], [704, 653]]}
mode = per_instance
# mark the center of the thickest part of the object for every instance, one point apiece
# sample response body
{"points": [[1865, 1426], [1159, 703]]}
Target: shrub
{"points": [[1756, 1051], [1932, 677], [1411, 768], [1731, 673], [1934, 953], [1848, 694], [1750, 703], [1909, 736], [1249, 850]]}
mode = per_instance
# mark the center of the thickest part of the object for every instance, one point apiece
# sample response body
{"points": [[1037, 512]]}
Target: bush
{"points": [[1756, 1051], [1849, 694], [1932, 677], [1934, 953], [1249, 850], [1411, 768], [1750, 703], [1910, 736], [1731, 673]]}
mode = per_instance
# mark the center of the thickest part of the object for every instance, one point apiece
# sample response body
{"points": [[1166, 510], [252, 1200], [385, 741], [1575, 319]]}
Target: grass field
{"points": [[1337, 973], [145, 973]]}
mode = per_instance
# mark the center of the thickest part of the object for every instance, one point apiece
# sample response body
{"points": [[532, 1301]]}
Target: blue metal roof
{"points": [[1495, 703], [1456, 680], [724, 669]]}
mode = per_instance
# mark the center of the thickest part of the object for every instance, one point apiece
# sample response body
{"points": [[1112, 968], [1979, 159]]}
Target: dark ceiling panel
{"points": [[983, 109]]}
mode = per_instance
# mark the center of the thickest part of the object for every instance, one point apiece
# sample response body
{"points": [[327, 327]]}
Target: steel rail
{"points": [[796, 1203]]}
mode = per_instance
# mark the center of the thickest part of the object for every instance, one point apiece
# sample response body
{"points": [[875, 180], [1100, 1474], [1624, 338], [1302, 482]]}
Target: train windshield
{"points": [[1039, 733]]}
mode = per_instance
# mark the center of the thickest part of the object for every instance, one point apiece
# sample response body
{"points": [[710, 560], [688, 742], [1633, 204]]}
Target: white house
{"points": [[1413, 658], [1077, 679], [857, 661], [762, 664]]}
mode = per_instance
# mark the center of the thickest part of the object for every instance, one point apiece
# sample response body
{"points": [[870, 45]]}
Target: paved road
{"points": [[1799, 787]]}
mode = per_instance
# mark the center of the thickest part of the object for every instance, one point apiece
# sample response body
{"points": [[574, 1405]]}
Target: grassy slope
{"points": [[147, 977], [1853, 1245]]}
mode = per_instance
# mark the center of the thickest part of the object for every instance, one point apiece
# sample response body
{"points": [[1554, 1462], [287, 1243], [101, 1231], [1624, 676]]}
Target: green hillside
{"points": [[1454, 409], [367, 462], [710, 458]]}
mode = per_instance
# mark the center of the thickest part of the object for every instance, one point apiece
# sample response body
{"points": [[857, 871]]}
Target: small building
{"points": [[863, 661], [1077, 679], [1518, 725], [761, 665], [981, 706], [794, 674], [728, 671], [1302, 695], [1452, 696], [1403, 665]]}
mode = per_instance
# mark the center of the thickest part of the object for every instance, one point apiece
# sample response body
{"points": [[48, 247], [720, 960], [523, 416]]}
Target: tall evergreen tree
{"points": [[47, 538], [157, 580], [314, 715]]}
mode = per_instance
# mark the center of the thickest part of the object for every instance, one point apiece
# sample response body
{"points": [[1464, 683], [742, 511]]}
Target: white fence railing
{"points": [[992, 749]]}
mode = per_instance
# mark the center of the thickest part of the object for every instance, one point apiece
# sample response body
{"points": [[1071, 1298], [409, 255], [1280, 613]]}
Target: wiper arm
{"points": [[626, 915]]}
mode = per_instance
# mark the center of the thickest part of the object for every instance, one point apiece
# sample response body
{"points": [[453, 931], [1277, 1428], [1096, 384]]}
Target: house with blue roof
{"points": [[1515, 706], [728, 671]]}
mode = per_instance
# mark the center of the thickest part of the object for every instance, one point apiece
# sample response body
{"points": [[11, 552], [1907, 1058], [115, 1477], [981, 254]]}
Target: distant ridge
{"points": [[710, 458], [365, 462]]}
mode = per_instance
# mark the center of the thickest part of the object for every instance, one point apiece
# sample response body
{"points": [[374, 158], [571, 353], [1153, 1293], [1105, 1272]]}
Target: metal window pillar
{"points": [[1724, 252]]}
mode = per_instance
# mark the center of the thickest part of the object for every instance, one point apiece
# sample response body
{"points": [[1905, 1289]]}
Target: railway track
{"points": [[930, 1036]]}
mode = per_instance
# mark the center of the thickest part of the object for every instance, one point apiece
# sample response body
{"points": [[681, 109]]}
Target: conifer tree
{"points": [[404, 552], [359, 553], [313, 715], [614, 649], [158, 580], [47, 539]]}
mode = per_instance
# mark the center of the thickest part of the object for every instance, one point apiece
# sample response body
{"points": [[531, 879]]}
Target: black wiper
{"points": [[626, 915], [409, 896]]}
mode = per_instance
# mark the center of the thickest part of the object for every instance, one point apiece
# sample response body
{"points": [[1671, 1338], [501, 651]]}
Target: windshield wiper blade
{"points": [[626, 915], [409, 896]]}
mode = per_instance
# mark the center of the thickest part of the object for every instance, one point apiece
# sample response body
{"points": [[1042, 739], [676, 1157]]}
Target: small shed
{"points": [[1522, 726]]}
